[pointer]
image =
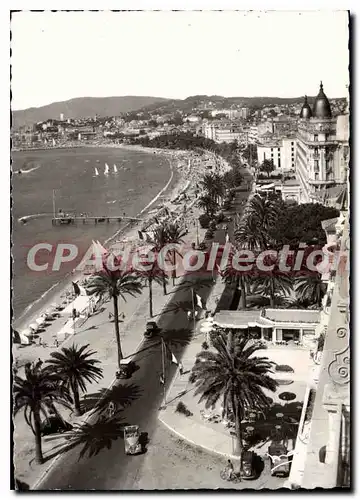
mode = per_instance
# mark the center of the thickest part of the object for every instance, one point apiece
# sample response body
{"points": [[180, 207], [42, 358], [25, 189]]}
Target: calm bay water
{"points": [[71, 172]]}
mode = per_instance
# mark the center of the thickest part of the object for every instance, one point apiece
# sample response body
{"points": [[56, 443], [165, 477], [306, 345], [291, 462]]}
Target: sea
{"points": [[77, 179]]}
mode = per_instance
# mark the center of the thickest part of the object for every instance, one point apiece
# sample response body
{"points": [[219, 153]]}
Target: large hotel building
{"points": [[322, 148]]}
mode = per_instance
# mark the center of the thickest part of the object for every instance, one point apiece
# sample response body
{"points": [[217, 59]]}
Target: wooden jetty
{"points": [[85, 219]]}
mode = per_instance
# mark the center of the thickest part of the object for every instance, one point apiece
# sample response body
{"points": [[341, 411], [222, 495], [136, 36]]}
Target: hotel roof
{"points": [[266, 318]]}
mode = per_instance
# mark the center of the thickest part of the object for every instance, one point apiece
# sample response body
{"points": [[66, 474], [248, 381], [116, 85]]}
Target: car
{"points": [[280, 465], [127, 367], [248, 465], [151, 329], [53, 425]]}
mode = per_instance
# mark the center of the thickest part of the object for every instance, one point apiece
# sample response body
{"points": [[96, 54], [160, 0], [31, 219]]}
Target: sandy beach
{"points": [[187, 166]]}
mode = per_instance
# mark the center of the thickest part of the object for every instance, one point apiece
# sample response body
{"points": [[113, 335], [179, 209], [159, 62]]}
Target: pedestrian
{"points": [[230, 469], [111, 409], [181, 368], [189, 315], [56, 343]]}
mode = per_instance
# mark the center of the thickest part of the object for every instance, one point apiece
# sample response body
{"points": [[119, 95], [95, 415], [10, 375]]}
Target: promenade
{"points": [[98, 331]]}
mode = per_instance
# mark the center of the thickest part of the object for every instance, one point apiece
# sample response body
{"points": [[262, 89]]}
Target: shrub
{"points": [[205, 346], [284, 368], [284, 382], [213, 225], [182, 408], [204, 220]]}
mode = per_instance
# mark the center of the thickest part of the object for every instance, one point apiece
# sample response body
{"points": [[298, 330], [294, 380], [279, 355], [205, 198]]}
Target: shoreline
{"points": [[55, 293]]}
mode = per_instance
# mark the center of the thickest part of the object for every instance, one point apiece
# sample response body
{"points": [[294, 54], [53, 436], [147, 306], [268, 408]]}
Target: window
{"points": [[272, 149], [316, 137], [292, 143], [278, 149], [308, 332], [316, 165]]}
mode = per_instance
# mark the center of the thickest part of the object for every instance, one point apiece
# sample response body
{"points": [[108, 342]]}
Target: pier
{"points": [[84, 219]]}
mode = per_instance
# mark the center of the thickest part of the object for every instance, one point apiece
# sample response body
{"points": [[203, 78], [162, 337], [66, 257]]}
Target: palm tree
{"points": [[264, 209], [115, 284], [75, 369], [250, 235], [207, 203], [175, 235], [311, 288], [159, 240], [273, 285], [232, 373], [241, 279], [149, 276], [35, 394]]}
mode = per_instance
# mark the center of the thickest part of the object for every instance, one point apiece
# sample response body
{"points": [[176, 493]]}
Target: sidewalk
{"points": [[210, 436]]}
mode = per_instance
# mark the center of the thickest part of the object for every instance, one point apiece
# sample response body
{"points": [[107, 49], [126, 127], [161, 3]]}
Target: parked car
{"points": [[248, 465], [151, 329], [280, 465], [54, 425], [127, 367]]}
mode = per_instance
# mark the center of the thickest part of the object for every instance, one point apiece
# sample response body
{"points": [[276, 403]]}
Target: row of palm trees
{"points": [[61, 379], [115, 285], [253, 233], [215, 188], [57, 382]]}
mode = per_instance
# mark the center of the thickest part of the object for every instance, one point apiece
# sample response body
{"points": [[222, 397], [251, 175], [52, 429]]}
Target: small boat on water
{"points": [[96, 171], [106, 171], [115, 169]]}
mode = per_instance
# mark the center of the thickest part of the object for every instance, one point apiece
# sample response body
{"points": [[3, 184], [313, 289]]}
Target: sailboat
{"points": [[115, 169], [96, 171], [106, 169]]}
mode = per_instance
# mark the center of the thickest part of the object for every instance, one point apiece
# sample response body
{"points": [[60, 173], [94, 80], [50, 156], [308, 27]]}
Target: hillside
{"points": [[84, 106]]}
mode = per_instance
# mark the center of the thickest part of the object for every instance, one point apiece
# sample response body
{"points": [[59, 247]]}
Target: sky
{"points": [[61, 55]]}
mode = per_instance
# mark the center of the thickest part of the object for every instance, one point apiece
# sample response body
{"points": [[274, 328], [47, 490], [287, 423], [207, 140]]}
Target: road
{"points": [[108, 467]]}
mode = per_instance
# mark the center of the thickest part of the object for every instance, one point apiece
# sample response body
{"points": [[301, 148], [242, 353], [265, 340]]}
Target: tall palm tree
{"points": [[159, 240], [264, 209], [75, 368], [250, 235], [175, 235], [273, 285], [115, 284], [311, 288], [35, 394], [241, 279], [232, 373], [207, 203], [151, 275]]}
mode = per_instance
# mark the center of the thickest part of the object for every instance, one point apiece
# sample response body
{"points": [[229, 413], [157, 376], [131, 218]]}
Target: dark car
{"points": [[54, 425], [151, 329], [248, 465], [280, 465]]}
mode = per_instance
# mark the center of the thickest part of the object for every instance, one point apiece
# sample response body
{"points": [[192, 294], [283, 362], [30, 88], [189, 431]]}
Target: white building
{"points": [[322, 148], [281, 152], [244, 113]]}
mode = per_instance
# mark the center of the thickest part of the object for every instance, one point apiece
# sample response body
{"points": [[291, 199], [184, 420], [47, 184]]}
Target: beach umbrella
{"points": [[40, 321], [34, 326]]}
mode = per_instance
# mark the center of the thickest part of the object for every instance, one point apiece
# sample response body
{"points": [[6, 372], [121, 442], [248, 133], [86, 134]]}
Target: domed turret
{"points": [[306, 112], [322, 107]]}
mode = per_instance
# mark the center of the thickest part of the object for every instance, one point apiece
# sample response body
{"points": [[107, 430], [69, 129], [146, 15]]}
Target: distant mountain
{"points": [[84, 106]]}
